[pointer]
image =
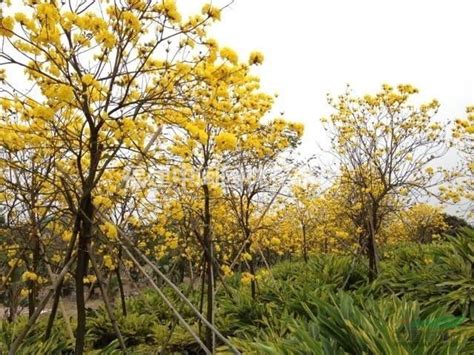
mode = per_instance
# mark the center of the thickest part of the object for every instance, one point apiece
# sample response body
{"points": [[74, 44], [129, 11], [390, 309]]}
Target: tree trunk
{"points": [[35, 244], [373, 259], [203, 284], [210, 343], [305, 246], [120, 285], [253, 282], [57, 294], [85, 234], [33, 286], [251, 262], [372, 246], [13, 295]]}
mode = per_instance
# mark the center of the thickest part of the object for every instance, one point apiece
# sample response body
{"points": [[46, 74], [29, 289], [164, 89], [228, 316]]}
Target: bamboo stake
{"points": [[168, 303], [181, 295]]}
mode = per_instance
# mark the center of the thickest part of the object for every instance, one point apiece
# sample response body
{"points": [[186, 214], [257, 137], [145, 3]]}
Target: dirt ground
{"points": [[69, 305]]}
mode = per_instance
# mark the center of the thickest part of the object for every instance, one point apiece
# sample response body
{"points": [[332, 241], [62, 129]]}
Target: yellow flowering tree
{"points": [[28, 203], [326, 220], [254, 177], [418, 223], [463, 140], [385, 146], [304, 210], [221, 125]]}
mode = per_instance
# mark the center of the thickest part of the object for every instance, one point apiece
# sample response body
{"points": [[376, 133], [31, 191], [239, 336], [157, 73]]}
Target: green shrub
{"points": [[440, 275], [58, 343], [135, 328], [345, 326]]}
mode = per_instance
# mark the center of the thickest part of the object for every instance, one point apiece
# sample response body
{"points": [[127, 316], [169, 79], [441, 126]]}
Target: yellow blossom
{"points": [[108, 262], [211, 11], [226, 141], [256, 58], [87, 79], [275, 241], [246, 256], [29, 276], [229, 54], [109, 230], [246, 278], [89, 279], [6, 26], [226, 270], [66, 236]]}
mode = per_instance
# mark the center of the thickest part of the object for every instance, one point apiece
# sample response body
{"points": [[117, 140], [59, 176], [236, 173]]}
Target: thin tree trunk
{"points": [[13, 295], [108, 306], [35, 244], [210, 339], [120, 284], [31, 298], [305, 246], [372, 253], [251, 265], [33, 294], [253, 282], [61, 306], [87, 211], [372, 246], [203, 284], [57, 294]]}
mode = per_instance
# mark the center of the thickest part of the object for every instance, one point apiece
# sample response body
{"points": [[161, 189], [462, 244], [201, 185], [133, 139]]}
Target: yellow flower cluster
{"points": [[109, 230], [29, 276], [131, 20], [197, 133], [102, 201], [246, 256], [226, 141], [109, 262], [211, 11], [168, 7], [89, 279], [246, 278], [226, 270], [256, 58], [6, 26], [229, 54], [66, 236], [87, 79]]}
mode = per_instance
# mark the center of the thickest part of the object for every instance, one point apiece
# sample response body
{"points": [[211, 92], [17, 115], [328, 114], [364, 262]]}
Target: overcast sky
{"points": [[314, 47]]}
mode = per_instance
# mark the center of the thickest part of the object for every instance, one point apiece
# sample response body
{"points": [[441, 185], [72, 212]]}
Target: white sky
{"points": [[313, 47]]}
